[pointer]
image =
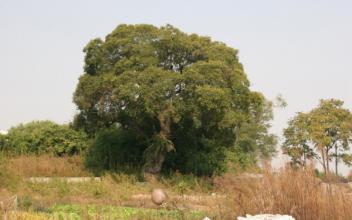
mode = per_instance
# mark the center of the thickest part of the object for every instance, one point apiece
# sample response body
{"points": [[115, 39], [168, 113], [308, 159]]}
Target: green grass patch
{"points": [[113, 212]]}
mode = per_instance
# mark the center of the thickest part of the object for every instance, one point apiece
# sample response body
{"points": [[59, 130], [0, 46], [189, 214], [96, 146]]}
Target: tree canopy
{"points": [[323, 133], [184, 97]]}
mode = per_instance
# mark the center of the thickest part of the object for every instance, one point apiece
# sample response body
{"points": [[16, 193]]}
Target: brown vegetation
{"points": [[47, 166], [294, 192], [289, 191]]}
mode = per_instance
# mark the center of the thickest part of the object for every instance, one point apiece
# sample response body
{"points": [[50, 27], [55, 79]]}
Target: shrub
{"points": [[2, 141], [200, 157], [121, 150], [40, 137], [115, 149]]}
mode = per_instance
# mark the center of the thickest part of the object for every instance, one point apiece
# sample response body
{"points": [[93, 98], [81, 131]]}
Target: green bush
{"points": [[40, 137], [194, 155], [2, 141], [204, 162], [25, 202], [118, 149], [115, 149]]}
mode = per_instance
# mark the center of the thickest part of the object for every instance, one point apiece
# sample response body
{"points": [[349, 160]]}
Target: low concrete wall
{"points": [[64, 179]]}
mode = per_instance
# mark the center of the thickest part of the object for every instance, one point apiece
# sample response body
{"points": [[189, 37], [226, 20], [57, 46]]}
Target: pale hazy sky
{"points": [[301, 49]]}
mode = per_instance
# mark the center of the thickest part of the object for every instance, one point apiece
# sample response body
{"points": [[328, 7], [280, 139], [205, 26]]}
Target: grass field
{"points": [[77, 212], [120, 196]]}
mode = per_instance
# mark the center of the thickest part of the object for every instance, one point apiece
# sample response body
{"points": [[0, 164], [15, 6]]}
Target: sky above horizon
{"points": [[299, 49]]}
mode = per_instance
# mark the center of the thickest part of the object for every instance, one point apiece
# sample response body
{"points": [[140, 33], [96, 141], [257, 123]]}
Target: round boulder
{"points": [[158, 196]]}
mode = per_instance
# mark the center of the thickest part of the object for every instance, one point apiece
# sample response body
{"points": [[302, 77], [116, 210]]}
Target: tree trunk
{"points": [[153, 167], [155, 156], [323, 158], [304, 160], [336, 161], [327, 158]]}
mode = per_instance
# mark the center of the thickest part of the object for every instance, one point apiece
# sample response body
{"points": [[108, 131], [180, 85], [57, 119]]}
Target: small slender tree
{"points": [[297, 140], [323, 133]]}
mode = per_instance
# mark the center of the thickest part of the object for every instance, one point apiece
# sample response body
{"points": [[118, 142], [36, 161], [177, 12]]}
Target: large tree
{"points": [[323, 133], [179, 93]]}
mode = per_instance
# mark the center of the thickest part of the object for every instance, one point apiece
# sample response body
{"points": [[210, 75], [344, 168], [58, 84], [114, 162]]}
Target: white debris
{"points": [[266, 217], [206, 218], [3, 132]]}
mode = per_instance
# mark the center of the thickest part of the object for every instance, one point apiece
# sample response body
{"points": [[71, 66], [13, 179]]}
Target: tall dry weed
{"points": [[46, 165], [294, 192]]}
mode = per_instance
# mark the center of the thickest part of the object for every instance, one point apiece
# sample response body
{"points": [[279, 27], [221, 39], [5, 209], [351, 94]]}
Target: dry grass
{"points": [[49, 166], [294, 192]]}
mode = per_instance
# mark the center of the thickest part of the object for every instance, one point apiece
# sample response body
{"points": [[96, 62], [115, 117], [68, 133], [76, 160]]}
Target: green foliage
{"points": [[186, 98], [63, 188], [240, 160], [188, 183], [195, 155], [39, 137], [297, 140], [114, 212], [3, 141], [253, 137], [25, 202], [323, 133], [115, 149]]}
